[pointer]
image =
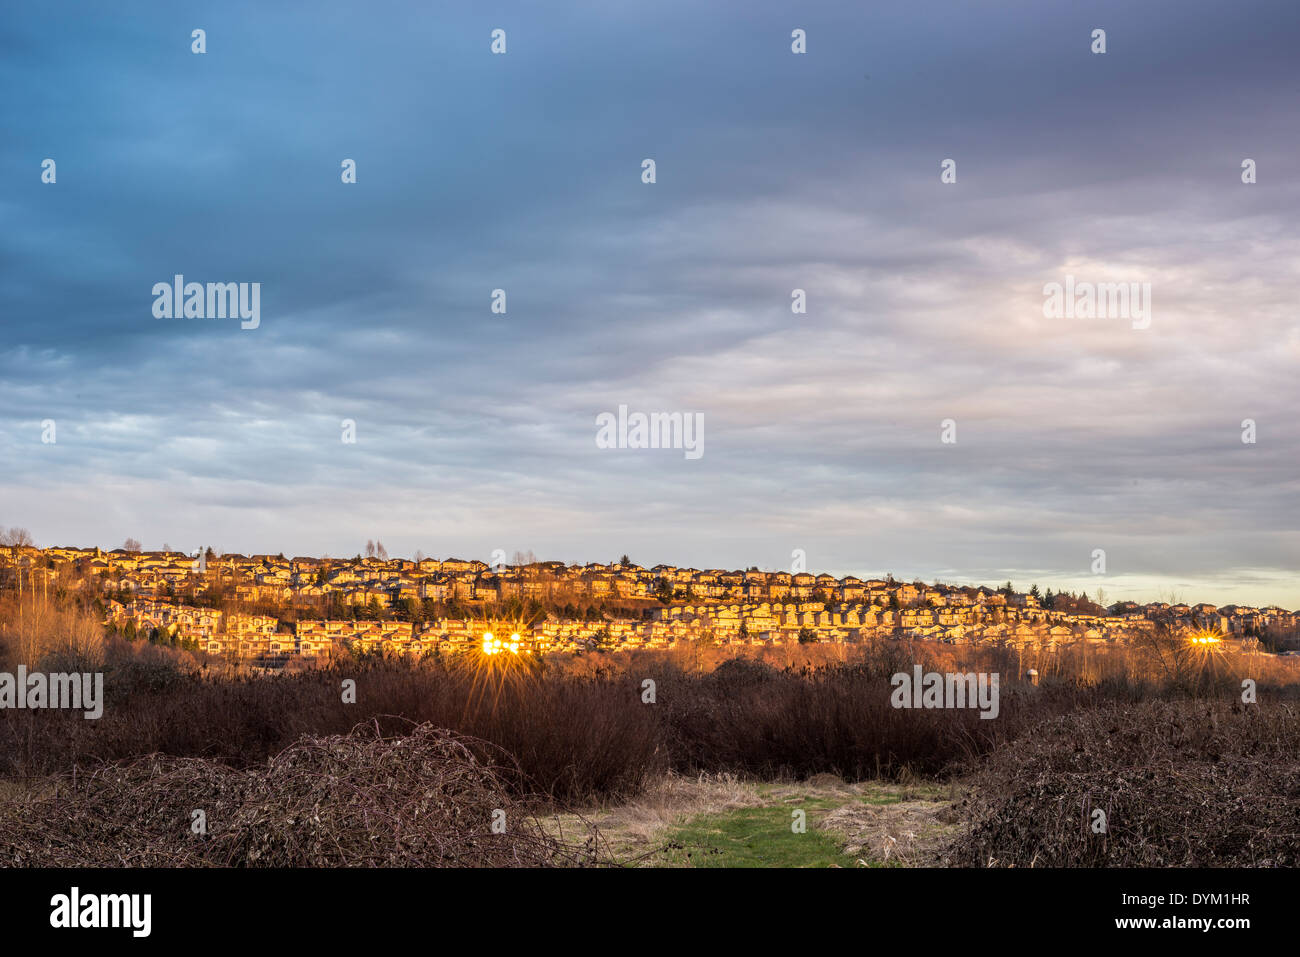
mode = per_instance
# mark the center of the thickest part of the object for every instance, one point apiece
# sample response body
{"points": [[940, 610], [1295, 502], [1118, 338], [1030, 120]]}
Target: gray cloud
{"points": [[775, 172]]}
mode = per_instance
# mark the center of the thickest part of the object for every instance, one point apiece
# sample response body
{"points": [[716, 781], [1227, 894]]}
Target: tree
{"points": [[131, 545], [370, 548], [625, 562], [1034, 592], [807, 636], [334, 605], [419, 556], [1169, 655], [380, 552], [15, 537]]}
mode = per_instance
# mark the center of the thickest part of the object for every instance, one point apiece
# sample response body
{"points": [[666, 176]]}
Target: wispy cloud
{"points": [[775, 172]]}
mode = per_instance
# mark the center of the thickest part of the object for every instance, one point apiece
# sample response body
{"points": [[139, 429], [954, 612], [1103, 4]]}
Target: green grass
{"points": [[752, 837]]}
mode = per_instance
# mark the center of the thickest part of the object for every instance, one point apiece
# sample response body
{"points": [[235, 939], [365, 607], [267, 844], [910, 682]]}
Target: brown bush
{"points": [[577, 726], [424, 799], [1182, 783], [573, 738]]}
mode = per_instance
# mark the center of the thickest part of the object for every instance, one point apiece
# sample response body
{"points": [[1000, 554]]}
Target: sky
{"points": [[774, 171]]}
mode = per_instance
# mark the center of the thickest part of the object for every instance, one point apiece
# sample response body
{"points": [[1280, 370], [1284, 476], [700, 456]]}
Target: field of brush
{"points": [[777, 757]]}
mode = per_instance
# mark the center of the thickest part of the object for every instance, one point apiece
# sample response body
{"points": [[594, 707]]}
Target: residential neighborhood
{"points": [[271, 608]]}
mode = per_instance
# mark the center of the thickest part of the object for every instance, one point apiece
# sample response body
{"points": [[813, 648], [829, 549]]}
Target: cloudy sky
{"points": [[774, 171]]}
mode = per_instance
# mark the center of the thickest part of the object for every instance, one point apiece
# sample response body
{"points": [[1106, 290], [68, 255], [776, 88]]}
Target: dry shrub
{"points": [[574, 739], [747, 716], [424, 799], [579, 727], [1183, 784], [55, 636]]}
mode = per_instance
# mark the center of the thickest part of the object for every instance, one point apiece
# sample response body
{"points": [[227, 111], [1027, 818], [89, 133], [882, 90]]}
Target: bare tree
{"points": [[381, 552], [15, 537], [1169, 655], [131, 545], [419, 556], [370, 549]]}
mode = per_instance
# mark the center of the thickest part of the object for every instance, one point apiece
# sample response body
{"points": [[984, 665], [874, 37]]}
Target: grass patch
{"points": [[752, 837], [724, 821]]}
